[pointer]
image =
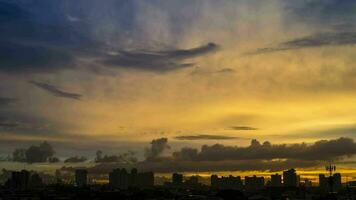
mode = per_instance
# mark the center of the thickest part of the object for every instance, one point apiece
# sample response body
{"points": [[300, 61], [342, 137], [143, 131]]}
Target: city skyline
{"points": [[190, 86]]}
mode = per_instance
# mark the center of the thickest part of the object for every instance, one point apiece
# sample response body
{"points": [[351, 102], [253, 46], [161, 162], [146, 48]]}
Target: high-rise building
{"points": [[290, 178], [81, 177], [254, 183], [145, 179], [230, 182], [19, 180], [323, 182], [276, 180], [119, 178], [335, 180], [193, 181]]}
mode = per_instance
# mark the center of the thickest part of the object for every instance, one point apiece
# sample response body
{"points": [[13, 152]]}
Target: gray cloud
{"points": [[169, 166], [157, 148], [316, 40], [32, 58], [319, 151], [226, 71], [55, 91], [75, 159], [243, 128], [321, 13], [205, 137], [159, 61]]}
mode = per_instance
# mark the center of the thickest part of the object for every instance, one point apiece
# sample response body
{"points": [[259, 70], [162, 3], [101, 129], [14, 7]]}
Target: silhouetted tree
{"points": [[19, 155]]}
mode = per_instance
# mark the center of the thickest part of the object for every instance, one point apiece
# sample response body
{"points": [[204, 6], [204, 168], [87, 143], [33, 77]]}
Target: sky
{"points": [[86, 75]]}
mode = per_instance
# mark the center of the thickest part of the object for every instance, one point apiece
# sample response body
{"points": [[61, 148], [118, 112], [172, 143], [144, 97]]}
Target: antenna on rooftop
{"points": [[331, 169]]}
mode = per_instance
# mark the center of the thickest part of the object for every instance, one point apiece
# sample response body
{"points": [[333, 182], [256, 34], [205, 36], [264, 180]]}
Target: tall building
{"points": [[145, 179], [19, 180], [177, 179], [193, 181], [276, 180], [119, 178], [323, 182], [81, 177], [230, 182], [290, 178], [335, 180], [254, 183]]}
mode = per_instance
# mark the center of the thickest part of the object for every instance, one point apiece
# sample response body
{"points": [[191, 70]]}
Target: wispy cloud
{"points": [[159, 61], [206, 137], [55, 91], [316, 40], [243, 128]]}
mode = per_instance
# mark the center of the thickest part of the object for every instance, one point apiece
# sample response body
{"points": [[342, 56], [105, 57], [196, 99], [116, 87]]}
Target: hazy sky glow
{"points": [[88, 75]]}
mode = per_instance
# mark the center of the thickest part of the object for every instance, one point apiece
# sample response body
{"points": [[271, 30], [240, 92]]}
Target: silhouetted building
{"points": [[81, 177], [119, 178], [290, 178], [192, 182], [276, 180], [145, 179], [254, 183], [177, 179], [323, 182], [326, 182], [337, 181], [133, 178], [229, 182], [19, 180]]}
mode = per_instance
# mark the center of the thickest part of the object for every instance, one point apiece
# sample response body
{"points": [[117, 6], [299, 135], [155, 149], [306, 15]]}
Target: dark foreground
{"points": [[104, 192]]}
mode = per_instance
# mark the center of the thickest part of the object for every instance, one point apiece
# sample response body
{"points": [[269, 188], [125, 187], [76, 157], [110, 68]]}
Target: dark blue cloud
{"points": [[311, 41], [324, 14], [158, 60], [47, 36], [56, 91]]}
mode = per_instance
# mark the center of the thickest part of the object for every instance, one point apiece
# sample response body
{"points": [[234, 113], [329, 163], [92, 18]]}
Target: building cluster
{"points": [[230, 182], [23, 180], [178, 180], [332, 182], [290, 179], [120, 178]]}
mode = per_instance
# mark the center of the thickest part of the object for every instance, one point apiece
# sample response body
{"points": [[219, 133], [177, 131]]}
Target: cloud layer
{"points": [[312, 41]]}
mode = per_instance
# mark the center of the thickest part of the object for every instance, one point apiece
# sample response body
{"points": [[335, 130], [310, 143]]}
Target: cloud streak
{"points": [[159, 61], [243, 128], [206, 137], [312, 41], [55, 91]]}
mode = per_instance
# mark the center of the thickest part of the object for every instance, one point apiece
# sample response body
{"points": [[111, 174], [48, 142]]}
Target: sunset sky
{"points": [[115, 74]]}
